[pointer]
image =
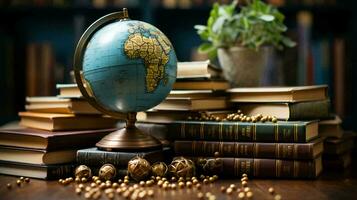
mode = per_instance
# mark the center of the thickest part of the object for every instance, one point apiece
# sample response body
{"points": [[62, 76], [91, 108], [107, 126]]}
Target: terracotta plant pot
{"points": [[243, 67]]}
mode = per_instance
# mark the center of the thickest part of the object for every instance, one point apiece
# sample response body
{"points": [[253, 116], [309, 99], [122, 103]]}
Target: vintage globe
{"points": [[124, 66], [129, 66]]}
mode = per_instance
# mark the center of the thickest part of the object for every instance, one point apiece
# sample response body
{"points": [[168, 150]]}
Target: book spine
{"points": [[244, 149], [269, 168], [309, 110], [61, 171], [158, 131], [118, 159], [239, 131]]}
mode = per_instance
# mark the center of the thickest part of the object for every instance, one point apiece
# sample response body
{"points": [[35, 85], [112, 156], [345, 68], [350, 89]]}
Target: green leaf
{"points": [[267, 18], [287, 42]]}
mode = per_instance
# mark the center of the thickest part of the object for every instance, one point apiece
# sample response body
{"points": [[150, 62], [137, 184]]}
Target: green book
{"points": [[283, 131]]}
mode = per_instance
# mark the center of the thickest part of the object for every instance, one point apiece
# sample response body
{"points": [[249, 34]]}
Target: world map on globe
{"points": [[129, 66]]}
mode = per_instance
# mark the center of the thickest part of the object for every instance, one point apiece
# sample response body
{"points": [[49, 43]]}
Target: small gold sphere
{"points": [[271, 190], [9, 186], [78, 191], [18, 182], [198, 186], [223, 189], [82, 171], [229, 191], [241, 195], [249, 195], [277, 197], [200, 195], [244, 183]]}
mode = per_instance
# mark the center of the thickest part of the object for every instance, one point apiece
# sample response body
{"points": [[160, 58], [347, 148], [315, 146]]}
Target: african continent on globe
{"points": [[129, 66]]}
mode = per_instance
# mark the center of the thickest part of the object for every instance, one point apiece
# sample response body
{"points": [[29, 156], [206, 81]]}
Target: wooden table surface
{"points": [[330, 185]]}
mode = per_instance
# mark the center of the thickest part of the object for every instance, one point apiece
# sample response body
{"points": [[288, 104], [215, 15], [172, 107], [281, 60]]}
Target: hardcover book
{"points": [[200, 84], [282, 131], [95, 157], [188, 104], [57, 105], [271, 168], [47, 140], [59, 122], [69, 91], [331, 127], [250, 149], [309, 110], [36, 156], [337, 146], [279, 94], [36, 171], [197, 69]]}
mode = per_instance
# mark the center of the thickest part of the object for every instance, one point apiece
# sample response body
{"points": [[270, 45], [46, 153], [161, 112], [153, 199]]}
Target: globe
{"points": [[124, 66], [130, 66]]}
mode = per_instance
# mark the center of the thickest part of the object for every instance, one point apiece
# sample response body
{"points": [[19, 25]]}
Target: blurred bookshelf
{"points": [[38, 38]]}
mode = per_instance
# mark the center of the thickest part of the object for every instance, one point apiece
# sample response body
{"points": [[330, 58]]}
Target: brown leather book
{"points": [[250, 149], [337, 146], [47, 140], [36, 171], [57, 122], [279, 94], [37, 156], [270, 168]]}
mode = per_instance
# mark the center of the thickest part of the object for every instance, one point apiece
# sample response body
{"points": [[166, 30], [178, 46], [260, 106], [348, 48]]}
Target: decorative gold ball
{"points": [[82, 171], [182, 167], [139, 168], [107, 172], [159, 169], [213, 166]]}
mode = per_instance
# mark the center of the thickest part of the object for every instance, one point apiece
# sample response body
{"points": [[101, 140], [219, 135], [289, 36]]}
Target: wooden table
{"points": [[336, 185]]}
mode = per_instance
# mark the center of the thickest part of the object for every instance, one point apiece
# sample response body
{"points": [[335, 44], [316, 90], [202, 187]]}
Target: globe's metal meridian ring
{"points": [[78, 60]]}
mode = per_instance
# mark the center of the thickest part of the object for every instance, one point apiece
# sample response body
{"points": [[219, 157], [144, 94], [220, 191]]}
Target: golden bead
{"points": [[110, 196], [181, 179], [81, 186], [194, 181], [173, 179], [244, 179], [126, 177], [181, 184], [198, 186], [84, 180], [241, 195], [120, 181], [205, 181], [150, 193], [87, 189], [229, 191], [244, 175], [164, 179], [160, 182], [200, 195], [215, 177], [208, 194], [78, 191], [233, 186], [277, 197], [173, 186], [98, 182], [246, 189], [18, 182], [77, 180], [142, 194], [93, 185], [271, 190], [249, 195], [189, 184], [202, 176], [27, 180], [60, 181], [142, 183], [223, 189], [87, 195], [126, 181], [115, 185], [8, 186], [211, 179], [274, 120], [244, 183]]}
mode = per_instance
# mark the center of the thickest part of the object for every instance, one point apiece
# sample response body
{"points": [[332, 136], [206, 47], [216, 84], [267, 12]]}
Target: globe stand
{"points": [[129, 138]]}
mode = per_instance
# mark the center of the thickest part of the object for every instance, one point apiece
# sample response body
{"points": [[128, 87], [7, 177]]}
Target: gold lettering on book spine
{"points": [[183, 130], [295, 151], [295, 132], [254, 132], [202, 128], [236, 135], [277, 168], [256, 166], [295, 169], [236, 167], [220, 130], [277, 153]]}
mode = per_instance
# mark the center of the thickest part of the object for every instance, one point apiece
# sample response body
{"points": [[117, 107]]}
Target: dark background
{"points": [[56, 25]]}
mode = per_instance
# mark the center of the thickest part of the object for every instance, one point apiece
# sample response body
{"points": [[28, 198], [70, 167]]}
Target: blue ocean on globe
{"points": [[129, 66]]}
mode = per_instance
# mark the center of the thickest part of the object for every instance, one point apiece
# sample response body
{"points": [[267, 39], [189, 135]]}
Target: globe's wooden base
{"points": [[128, 139]]}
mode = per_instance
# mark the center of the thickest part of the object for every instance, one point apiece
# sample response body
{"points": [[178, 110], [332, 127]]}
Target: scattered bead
{"points": [[9, 186], [244, 183], [18, 182], [27, 180], [78, 191], [249, 195], [198, 186], [223, 189], [241, 195], [229, 191], [277, 197], [200, 195], [271, 190]]}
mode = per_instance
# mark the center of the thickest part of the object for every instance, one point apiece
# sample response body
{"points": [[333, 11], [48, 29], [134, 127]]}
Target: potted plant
{"points": [[242, 39]]}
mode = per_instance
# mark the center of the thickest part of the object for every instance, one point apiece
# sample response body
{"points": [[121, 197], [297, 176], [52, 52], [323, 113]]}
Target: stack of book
{"points": [[53, 129], [290, 148], [199, 86]]}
